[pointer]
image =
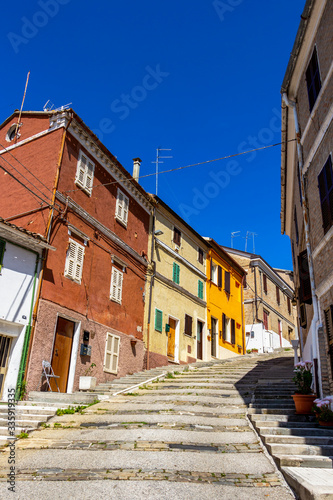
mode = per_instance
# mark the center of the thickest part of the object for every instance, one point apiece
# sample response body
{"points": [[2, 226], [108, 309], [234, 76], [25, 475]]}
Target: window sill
{"points": [[188, 335], [115, 301], [84, 189], [121, 222], [110, 371]]}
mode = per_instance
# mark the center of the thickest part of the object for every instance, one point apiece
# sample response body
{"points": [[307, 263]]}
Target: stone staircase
{"points": [[302, 449]]}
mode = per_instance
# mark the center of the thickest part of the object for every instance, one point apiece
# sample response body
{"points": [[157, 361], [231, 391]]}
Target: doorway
{"points": [[213, 336], [171, 338], [199, 339], [62, 351], [5, 345]]}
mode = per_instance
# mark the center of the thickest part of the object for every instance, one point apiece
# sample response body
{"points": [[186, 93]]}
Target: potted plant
{"points": [[87, 382], [323, 410], [304, 396]]}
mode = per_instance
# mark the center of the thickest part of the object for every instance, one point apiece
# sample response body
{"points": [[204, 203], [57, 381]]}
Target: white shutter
{"points": [[74, 261], [122, 207], [116, 285], [84, 173], [111, 357], [125, 209]]}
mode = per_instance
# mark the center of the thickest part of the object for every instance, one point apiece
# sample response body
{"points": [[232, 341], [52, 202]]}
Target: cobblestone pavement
{"points": [[188, 432]]}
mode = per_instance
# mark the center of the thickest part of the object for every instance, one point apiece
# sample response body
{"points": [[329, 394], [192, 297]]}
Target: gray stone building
{"points": [[307, 183]]}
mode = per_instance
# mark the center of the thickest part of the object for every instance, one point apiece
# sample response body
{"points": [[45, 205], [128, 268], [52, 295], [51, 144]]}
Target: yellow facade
{"points": [[177, 306], [225, 314]]}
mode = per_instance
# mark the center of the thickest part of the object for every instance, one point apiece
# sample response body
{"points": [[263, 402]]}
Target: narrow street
{"points": [[183, 437]]}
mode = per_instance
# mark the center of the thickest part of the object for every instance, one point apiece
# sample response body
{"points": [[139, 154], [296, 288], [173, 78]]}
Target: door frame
{"points": [[74, 352], [176, 356], [203, 335], [214, 338]]}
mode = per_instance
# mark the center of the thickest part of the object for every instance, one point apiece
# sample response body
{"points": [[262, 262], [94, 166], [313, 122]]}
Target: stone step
{"points": [[299, 449], [29, 410], [5, 432], [293, 431], [287, 425], [60, 398], [287, 417], [313, 461], [271, 411], [309, 483], [305, 439], [266, 404], [25, 421]]}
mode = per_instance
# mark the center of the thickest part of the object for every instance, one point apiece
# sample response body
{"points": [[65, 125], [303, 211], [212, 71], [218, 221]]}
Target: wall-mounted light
{"points": [[158, 232]]}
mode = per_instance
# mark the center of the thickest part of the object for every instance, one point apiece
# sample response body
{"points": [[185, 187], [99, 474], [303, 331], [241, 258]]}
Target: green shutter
{"points": [[2, 252], [175, 273], [200, 289], [158, 320]]}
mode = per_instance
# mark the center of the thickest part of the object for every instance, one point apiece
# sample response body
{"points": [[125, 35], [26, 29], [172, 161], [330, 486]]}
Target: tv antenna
{"points": [[158, 161], [49, 106], [234, 235], [248, 235]]}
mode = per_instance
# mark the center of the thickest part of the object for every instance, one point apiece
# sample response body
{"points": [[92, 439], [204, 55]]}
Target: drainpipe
{"points": [[315, 319], [26, 338], [151, 285]]}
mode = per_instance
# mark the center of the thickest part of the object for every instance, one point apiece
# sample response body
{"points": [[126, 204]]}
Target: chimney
{"points": [[136, 168]]}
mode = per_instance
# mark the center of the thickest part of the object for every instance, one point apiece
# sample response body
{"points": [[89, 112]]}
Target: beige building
{"points": [[307, 183], [175, 318], [269, 313]]}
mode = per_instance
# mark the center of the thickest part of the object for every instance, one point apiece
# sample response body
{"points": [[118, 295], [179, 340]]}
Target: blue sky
{"points": [[200, 77]]}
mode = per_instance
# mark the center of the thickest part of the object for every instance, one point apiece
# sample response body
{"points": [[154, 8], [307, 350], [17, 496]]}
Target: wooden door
{"points": [[199, 339], [5, 343], [62, 353], [213, 337], [171, 338]]}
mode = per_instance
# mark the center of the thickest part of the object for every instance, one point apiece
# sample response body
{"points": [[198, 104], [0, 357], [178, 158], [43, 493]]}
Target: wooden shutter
{"points": [[116, 285], [211, 269], [176, 236], [265, 319], [303, 320], [200, 256], [224, 333], [264, 278], [233, 332], [188, 324], [329, 331], [219, 276], [81, 170], [313, 80], [278, 295], [158, 320], [325, 183], [227, 281], [2, 252], [111, 357], [175, 273], [74, 261], [89, 176], [304, 278]]}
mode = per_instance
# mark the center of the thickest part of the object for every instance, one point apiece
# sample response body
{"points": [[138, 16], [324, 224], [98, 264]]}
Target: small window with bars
{"points": [[111, 357]]}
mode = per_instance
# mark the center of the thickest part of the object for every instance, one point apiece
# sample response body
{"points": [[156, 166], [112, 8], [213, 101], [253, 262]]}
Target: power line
{"points": [[187, 166], [31, 173]]}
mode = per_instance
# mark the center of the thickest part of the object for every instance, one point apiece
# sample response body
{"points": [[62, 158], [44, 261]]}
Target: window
{"points": [[177, 236], [289, 305], [74, 261], [227, 282], [305, 294], [278, 295], [85, 173], [325, 182], [290, 333], [200, 289], [175, 273], [264, 279], [158, 320], [116, 285], [122, 208], [2, 252], [213, 272], [303, 320], [265, 318], [188, 325], [200, 256], [313, 81], [226, 333], [296, 226], [111, 356], [233, 332]]}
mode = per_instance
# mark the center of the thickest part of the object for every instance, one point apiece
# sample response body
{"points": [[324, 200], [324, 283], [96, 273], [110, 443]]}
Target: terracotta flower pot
{"points": [[325, 424], [304, 403]]}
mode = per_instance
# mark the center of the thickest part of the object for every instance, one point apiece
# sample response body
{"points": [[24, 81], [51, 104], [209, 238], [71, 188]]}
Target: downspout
{"points": [[315, 319], [243, 316], [47, 234], [151, 285], [26, 340]]}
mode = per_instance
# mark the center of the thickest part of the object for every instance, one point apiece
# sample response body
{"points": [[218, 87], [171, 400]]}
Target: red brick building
{"points": [[60, 181]]}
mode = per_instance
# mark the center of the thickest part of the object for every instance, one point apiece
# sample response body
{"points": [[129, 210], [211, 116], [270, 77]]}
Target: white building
{"points": [[20, 265]]}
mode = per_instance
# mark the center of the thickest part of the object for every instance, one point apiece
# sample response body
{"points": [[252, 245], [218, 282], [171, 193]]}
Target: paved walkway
{"points": [[186, 437]]}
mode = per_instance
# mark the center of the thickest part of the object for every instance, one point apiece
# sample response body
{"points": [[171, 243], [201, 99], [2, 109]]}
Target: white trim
{"points": [[74, 353], [180, 258], [122, 208], [85, 170], [80, 234], [117, 260]]}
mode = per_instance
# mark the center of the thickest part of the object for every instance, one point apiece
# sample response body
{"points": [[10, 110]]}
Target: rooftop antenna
{"points": [[158, 161], [19, 118], [248, 235], [49, 106], [234, 235]]}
